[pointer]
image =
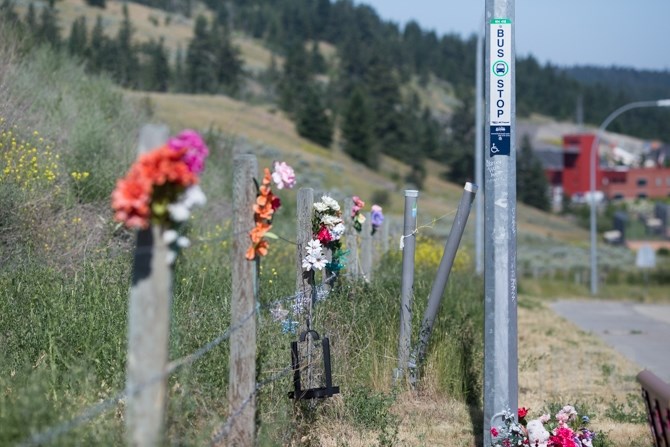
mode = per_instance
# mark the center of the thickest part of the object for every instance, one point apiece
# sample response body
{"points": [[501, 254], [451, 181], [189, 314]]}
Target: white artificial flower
{"points": [[314, 247], [308, 262], [193, 196], [337, 231], [183, 242], [330, 221], [537, 434], [320, 207], [169, 236], [330, 203], [178, 212], [319, 262]]}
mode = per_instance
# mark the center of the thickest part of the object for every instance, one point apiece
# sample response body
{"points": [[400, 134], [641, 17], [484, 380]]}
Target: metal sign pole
{"points": [[500, 281]]}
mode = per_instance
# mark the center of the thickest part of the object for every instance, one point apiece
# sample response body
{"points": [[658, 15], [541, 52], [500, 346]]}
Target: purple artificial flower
{"points": [[377, 216]]}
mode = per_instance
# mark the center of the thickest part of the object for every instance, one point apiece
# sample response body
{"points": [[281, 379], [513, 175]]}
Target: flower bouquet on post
{"points": [[160, 189], [328, 229], [567, 430]]}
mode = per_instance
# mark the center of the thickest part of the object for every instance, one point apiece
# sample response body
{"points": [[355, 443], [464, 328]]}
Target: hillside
{"points": [[66, 267]]}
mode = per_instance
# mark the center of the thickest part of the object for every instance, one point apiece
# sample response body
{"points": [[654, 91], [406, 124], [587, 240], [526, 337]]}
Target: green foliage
{"points": [[357, 131], [532, 184], [97, 3], [313, 121], [371, 410]]}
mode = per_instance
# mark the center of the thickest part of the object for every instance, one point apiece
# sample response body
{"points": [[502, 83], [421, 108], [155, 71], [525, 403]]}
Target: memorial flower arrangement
{"points": [[356, 216], [266, 204], [327, 229], [161, 188], [566, 430]]}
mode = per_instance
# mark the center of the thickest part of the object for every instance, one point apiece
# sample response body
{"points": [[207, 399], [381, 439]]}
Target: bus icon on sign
{"points": [[500, 68]]}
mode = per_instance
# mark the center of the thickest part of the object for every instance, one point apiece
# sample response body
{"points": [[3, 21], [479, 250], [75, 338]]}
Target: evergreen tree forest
{"points": [[362, 95]]}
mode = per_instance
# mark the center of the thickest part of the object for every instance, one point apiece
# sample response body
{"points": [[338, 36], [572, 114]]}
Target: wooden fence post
{"points": [[305, 281], [148, 325], [242, 367], [366, 248], [351, 239]]}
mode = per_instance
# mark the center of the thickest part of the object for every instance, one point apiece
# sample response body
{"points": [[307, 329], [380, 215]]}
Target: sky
{"points": [[623, 33]]}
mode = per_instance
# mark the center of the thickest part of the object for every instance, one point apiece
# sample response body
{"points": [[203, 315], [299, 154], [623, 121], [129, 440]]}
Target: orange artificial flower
{"points": [[130, 201], [259, 231], [259, 249]]}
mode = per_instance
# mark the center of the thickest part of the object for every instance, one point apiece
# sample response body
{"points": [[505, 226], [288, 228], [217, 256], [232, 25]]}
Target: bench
{"points": [[656, 395]]}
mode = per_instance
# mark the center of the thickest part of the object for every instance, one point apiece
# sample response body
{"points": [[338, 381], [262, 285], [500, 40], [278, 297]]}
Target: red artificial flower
{"points": [[494, 432], [324, 235], [523, 411]]}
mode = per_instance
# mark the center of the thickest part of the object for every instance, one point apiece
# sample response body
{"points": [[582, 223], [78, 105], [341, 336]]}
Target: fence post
{"points": [[242, 365], [407, 281], [366, 248], [305, 281], [351, 239], [148, 325]]}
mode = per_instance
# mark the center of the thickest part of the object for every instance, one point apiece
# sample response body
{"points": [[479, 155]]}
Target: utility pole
{"points": [[500, 281]]}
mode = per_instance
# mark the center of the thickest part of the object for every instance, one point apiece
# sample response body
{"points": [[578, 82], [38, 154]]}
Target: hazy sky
{"points": [[625, 33]]}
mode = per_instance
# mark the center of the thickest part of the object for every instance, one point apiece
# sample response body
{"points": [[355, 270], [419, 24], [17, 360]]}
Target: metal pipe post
{"points": [[443, 271], [500, 278], [407, 281]]}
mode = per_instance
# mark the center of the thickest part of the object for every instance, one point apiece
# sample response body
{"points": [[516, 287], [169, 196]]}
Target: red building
{"points": [[614, 182]]}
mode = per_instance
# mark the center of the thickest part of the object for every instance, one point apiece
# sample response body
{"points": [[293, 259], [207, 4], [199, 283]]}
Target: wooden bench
{"points": [[656, 395]]}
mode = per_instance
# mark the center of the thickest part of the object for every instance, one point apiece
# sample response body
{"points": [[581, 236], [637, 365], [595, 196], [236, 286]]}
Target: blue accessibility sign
{"points": [[501, 137]]}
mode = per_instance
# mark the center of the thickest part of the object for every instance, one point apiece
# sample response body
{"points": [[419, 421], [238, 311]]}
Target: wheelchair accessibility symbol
{"points": [[494, 149]]}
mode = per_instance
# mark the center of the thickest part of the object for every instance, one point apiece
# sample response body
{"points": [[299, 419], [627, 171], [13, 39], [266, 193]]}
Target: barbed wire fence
{"points": [[320, 292]]}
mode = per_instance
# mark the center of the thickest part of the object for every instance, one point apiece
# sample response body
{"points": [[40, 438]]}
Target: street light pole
{"points": [[592, 176]]}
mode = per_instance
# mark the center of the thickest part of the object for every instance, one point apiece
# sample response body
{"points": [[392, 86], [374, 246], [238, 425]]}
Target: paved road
{"points": [[641, 332]]}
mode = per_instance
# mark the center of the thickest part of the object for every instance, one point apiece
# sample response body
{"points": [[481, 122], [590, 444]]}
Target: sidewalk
{"points": [[641, 332]]}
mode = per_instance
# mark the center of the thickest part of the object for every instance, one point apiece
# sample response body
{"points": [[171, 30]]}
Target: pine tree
{"points": [[389, 128], [460, 155], [532, 183], [127, 64], [97, 49], [47, 30], [31, 18], [317, 62], [313, 122], [200, 76], [97, 3], [295, 77], [357, 130], [156, 70], [77, 41], [228, 62], [178, 79]]}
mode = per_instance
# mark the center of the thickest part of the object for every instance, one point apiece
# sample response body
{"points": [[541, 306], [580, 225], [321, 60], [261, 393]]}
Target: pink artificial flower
{"points": [[358, 204], [494, 432], [196, 150], [283, 175]]}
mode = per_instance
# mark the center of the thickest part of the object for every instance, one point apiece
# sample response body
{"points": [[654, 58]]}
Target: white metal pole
{"points": [[500, 277]]}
